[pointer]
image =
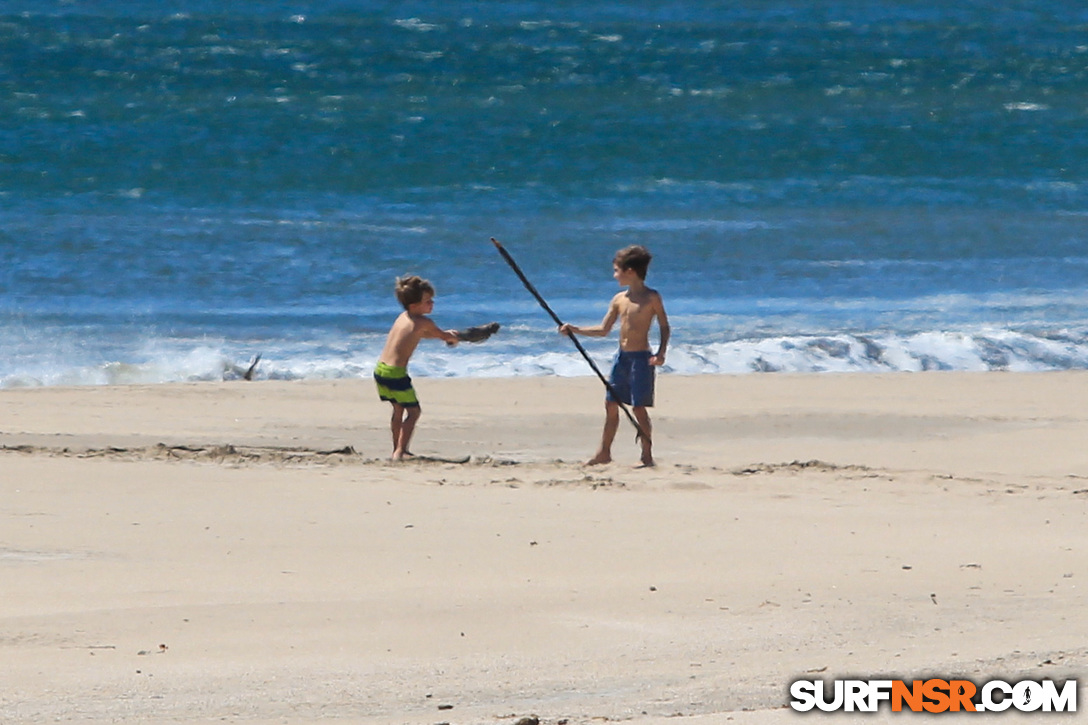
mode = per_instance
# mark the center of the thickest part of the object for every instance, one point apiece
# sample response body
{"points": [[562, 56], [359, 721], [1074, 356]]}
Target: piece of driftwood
{"points": [[478, 333], [640, 434]]}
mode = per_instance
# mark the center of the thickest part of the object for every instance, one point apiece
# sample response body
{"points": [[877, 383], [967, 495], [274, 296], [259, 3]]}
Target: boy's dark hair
{"points": [[411, 288], [635, 257]]}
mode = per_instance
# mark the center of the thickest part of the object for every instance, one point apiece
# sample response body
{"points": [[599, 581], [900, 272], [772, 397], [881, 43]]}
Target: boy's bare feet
{"points": [[647, 463], [599, 460]]}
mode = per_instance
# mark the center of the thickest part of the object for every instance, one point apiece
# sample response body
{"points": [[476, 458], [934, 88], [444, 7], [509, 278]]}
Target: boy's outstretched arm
{"points": [[430, 329], [600, 330]]}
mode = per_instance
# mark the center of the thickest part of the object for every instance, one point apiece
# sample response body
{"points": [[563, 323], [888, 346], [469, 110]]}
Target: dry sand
{"points": [[243, 552]]}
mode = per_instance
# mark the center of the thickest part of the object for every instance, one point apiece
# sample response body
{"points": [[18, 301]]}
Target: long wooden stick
{"points": [[641, 434]]}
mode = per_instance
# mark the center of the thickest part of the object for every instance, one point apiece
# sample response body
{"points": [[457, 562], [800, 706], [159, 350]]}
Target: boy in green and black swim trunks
{"points": [[391, 372]]}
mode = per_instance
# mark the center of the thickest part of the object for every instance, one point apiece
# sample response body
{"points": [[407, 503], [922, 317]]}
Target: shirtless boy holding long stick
{"points": [[632, 376]]}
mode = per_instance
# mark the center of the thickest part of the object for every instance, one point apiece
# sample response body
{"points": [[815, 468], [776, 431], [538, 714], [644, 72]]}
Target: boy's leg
{"points": [[407, 427], [611, 424], [395, 422], [642, 415]]}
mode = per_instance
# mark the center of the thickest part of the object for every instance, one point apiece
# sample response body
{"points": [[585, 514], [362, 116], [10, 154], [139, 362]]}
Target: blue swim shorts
{"points": [[632, 379]]}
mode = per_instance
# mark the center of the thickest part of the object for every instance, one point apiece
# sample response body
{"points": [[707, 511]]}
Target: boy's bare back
{"points": [[404, 337]]}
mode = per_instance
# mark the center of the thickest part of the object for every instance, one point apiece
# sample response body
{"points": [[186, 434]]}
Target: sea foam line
{"points": [[977, 351]]}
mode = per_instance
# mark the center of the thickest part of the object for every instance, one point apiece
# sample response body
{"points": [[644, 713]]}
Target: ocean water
{"points": [[826, 185]]}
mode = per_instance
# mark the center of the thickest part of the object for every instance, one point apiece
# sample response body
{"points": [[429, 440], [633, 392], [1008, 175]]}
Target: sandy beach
{"points": [[244, 552]]}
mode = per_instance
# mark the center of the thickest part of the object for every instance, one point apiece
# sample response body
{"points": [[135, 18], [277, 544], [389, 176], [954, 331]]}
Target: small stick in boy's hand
{"points": [[477, 333]]}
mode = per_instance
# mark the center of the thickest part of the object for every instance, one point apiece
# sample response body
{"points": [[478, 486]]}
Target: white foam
{"points": [[533, 354]]}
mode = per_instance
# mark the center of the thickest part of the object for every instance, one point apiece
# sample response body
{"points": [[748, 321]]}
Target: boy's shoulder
{"points": [[419, 322], [642, 294], [406, 320]]}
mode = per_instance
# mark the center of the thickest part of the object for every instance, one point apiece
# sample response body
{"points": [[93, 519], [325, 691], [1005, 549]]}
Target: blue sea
{"points": [[826, 185]]}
